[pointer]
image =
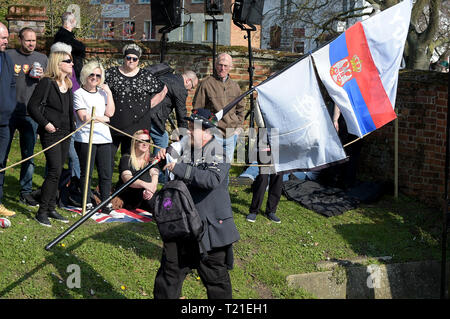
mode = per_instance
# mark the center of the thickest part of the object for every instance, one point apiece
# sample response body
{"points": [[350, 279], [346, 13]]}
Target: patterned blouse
{"points": [[132, 97]]}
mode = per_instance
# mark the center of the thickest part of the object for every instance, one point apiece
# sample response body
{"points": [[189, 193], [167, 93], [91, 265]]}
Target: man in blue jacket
{"points": [[202, 166], [7, 105]]}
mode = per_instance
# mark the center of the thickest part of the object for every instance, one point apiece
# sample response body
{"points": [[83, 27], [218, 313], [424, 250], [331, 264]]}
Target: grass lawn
{"points": [[120, 260]]}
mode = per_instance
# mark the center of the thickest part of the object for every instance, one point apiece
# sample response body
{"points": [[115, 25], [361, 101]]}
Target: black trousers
{"points": [[55, 157], [177, 261], [259, 189], [101, 157]]}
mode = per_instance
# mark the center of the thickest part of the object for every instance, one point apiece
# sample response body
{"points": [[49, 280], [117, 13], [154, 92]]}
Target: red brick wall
{"points": [[422, 118]]}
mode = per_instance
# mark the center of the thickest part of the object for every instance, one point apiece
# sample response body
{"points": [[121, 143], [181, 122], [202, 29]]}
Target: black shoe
{"points": [[273, 218], [53, 214], [42, 219], [27, 199]]}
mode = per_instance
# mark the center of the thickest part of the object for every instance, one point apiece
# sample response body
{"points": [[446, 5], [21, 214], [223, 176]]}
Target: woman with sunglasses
{"points": [[138, 194], [135, 92], [55, 122], [94, 93]]}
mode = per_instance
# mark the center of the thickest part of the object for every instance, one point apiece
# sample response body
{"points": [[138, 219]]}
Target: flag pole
{"points": [[230, 105], [88, 164]]}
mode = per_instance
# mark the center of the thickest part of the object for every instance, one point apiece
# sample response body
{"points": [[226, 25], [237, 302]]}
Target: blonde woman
{"points": [[55, 122], [94, 93], [138, 194]]}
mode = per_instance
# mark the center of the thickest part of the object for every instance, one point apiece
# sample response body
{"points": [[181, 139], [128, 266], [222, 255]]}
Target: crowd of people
{"points": [[56, 95]]}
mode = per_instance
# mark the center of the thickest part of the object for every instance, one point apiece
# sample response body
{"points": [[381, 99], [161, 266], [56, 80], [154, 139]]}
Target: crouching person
{"points": [[201, 164]]}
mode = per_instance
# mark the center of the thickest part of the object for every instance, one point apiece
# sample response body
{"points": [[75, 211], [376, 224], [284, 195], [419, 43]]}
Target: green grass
{"points": [[120, 260]]}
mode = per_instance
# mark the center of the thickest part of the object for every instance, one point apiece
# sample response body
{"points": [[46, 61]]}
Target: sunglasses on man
{"points": [[129, 58]]}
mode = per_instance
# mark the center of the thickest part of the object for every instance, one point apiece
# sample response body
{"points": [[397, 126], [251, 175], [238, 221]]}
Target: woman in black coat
{"points": [[55, 122]]}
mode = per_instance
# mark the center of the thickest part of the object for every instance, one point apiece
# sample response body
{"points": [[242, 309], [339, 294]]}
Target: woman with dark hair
{"points": [[94, 93], [138, 194], [135, 92], [55, 122]]}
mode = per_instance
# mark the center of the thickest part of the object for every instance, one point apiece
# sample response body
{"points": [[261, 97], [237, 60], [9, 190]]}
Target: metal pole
{"points": [[396, 158], [445, 216], [214, 45], [163, 47], [252, 98], [87, 174], [100, 206]]}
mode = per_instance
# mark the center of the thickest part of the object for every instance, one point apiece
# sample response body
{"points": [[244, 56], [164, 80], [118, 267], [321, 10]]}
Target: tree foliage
{"points": [[428, 34], [54, 9]]}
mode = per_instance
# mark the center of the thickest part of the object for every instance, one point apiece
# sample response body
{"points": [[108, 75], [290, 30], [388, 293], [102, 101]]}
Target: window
{"points": [[149, 30], [188, 32], [197, 1], [129, 31], [94, 2], [208, 31], [119, 1], [108, 29], [143, 1]]}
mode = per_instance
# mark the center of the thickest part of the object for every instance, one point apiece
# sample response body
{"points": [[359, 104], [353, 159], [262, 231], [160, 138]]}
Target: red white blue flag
{"points": [[360, 68]]}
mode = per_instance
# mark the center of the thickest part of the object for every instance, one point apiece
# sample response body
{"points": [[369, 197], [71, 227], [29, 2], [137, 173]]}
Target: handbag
{"points": [[44, 99]]}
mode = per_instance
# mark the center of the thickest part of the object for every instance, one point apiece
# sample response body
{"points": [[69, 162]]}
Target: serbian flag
{"points": [[300, 131], [360, 68]]}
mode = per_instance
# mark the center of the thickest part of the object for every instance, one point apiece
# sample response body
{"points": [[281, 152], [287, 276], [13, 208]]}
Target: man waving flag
{"points": [[360, 68]]}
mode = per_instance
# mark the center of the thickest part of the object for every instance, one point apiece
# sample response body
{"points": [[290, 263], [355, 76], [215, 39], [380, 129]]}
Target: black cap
{"points": [[208, 119]]}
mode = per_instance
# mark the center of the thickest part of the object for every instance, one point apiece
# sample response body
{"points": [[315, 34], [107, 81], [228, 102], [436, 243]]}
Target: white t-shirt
{"points": [[84, 100]]}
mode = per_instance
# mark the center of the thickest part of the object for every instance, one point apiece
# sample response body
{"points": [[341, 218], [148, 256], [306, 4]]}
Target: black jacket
{"points": [[206, 177], [7, 89], [175, 99], [78, 48], [53, 111]]}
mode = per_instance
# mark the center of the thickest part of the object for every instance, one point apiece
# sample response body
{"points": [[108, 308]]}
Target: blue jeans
{"points": [[159, 138], [4, 141], [253, 171], [74, 162], [27, 129], [229, 145], [162, 140]]}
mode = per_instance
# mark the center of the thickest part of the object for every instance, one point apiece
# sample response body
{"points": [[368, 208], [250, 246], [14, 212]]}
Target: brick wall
{"points": [[422, 118]]}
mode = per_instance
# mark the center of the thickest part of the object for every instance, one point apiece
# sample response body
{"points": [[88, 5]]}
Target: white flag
{"points": [[301, 133]]}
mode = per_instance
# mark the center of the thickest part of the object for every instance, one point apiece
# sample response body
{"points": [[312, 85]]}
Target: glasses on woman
{"points": [[68, 61], [143, 141], [129, 58], [192, 83], [98, 76]]}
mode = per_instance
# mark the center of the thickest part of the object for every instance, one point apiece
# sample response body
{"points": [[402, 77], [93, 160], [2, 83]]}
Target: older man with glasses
{"points": [[214, 93]]}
